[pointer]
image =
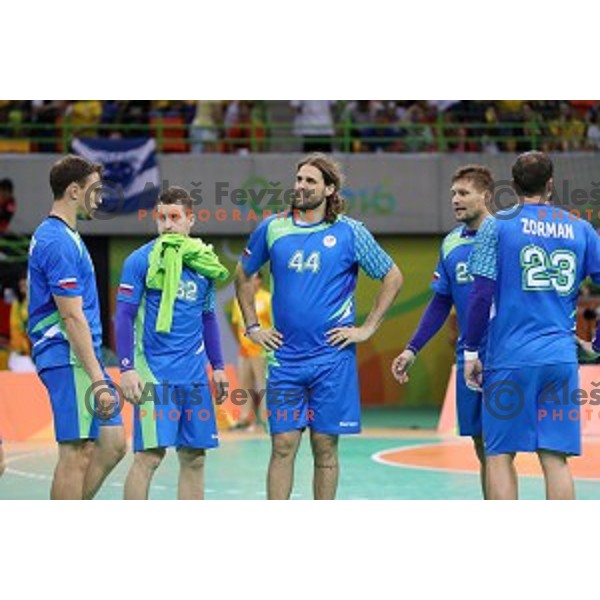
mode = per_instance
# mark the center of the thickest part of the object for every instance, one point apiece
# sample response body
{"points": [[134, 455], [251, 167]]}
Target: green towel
{"points": [[171, 251]]}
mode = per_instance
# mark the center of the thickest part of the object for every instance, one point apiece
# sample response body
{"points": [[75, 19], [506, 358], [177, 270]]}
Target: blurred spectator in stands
{"points": [[582, 107], [83, 117], [135, 114], [386, 134], [245, 131], [548, 109], [360, 116], [206, 126], [588, 306], [110, 114], [450, 134], [593, 132], [490, 133], [372, 125], [8, 204], [14, 114], [20, 347], [315, 124], [181, 109], [568, 130], [45, 116], [419, 137], [531, 134], [509, 123]]}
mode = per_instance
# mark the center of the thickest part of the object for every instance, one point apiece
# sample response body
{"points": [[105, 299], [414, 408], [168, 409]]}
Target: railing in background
{"points": [[173, 135]]}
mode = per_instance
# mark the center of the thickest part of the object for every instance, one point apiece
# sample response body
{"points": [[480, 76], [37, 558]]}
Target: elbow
{"points": [[394, 279], [240, 276]]}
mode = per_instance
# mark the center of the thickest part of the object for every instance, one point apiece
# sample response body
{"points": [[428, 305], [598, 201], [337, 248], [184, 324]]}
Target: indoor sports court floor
{"points": [[398, 456]]}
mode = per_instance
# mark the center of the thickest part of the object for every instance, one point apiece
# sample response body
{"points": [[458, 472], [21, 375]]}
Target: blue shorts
{"points": [[468, 405], [324, 397], [175, 416], [72, 399], [530, 409]]}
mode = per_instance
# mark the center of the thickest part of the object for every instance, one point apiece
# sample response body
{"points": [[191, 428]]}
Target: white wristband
{"points": [[471, 355]]}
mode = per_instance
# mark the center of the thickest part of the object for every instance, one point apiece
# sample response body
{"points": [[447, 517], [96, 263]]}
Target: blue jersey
{"points": [[177, 357], [314, 272], [59, 264], [538, 261], [452, 277]]}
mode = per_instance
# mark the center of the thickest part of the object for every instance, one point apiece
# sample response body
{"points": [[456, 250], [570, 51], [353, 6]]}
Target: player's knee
{"points": [[325, 455], [76, 456], [191, 459], [118, 449], [324, 447], [2, 465], [149, 460], [283, 447]]}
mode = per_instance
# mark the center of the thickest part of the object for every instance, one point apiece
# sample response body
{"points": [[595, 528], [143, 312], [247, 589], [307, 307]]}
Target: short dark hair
{"points": [[6, 185], [481, 177], [531, 172], [175, 195], [71, 169]]}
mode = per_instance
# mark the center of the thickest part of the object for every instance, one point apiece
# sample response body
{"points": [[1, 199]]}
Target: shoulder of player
{"points": [[452, 240], [271, 220], [344, 220], [52, 236], [141, 255], [357, 228]]}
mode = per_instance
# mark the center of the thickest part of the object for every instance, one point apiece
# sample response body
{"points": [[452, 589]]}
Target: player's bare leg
{"points": [[280, 477], [69, 474], [137, 484], [327, 468], [246, 383], [480, 451], [557, 475], [2, 461], [259, 374], [501, 477], [105, 455], [191, 474]]}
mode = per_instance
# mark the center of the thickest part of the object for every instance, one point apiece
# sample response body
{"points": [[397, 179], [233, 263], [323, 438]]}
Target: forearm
{"points": [[478, 311], [433, 318], [125, 335], [212, 340], [390, 286], [244, 289], [80, 339]]}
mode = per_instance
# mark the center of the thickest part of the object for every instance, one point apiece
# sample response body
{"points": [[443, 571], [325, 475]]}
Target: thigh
{"points": [[115, 418], [287, 398], [468, 406], [244, 372], [72, 401], [558, 410], [258, 365], [156, 421], [198, 426], [509, 410], [334, 397]]}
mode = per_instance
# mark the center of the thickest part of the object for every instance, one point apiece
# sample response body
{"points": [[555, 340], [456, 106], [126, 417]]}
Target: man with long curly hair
{"points": [[314, 253]]}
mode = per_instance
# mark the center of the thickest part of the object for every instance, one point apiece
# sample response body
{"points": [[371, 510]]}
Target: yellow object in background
{"points": [[248, 348]]}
